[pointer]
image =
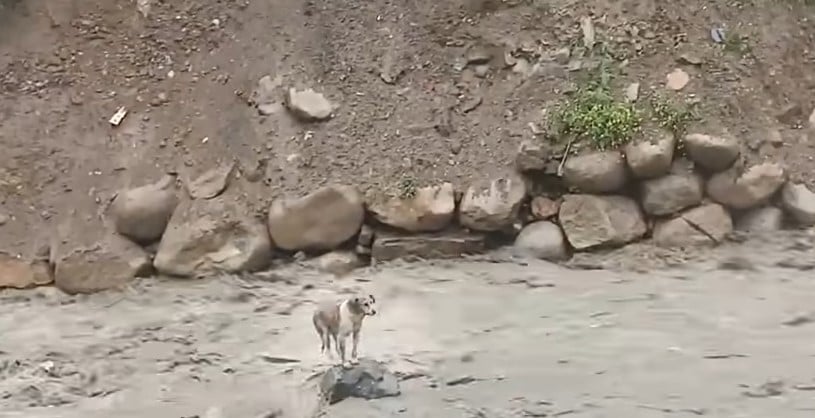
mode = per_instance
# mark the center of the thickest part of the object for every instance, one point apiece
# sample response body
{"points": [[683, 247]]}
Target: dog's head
{"points": [[365, 304]]}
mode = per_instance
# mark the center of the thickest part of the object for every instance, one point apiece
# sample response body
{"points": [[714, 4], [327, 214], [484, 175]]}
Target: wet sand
{"points": [[468, 338]]}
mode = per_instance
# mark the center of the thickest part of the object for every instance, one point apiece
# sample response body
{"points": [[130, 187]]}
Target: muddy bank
{"points": [[721, 337]]}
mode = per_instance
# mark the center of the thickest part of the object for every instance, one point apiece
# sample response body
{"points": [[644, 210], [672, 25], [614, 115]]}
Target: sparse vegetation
{"points": [[738, 44], [594, 115], [407, 188], [671, 116]]}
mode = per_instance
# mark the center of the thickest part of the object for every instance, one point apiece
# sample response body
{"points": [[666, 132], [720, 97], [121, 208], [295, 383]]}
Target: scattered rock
{"points": [[651, 158], [3, 219], [110, 264], [543, 207], [531, 156], [736, 263], [338, 263], [597, 172], [493, 205], [367, 380], [714, 153], [812, 119], [544, 240], [142, 213], [704, 225], [632, 92], [366, 236], [562, 55], [677, 79], [792, 115], [799, 202], [763, 219], [689, 59], [209, 236], [426, 246], [22, 274], [321, 220], [672, 193], [308, 105], [748, 189], [430, 209], [591, 221], [478, 55], [212, 183], [265, 97]]}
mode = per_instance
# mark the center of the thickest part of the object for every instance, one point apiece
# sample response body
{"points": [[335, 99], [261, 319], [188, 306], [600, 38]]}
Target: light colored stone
{"points": [[632, 92], [651, 158], [677, 79], [110, 264], [799, 203], [591, 221], [141, 214], [211, 183], [543, 207], [212, 236], [4, 219], [812, 119], [493, 205], [748, 189], [596, 172], [426, 246], [531, 156], [22, 274], [705, 225], [714, 153], [338, 263], [432, 208], [672, 193], [763, 219], [544, 240], [308, 105], [321, 220]]}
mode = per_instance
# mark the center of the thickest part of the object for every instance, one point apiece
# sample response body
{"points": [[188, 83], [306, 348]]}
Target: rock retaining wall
{"points": [[648, 190]]}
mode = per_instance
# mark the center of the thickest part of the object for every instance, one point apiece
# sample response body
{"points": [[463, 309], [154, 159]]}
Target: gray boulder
{"points": [[142, 213], [651, 158], [367, 380], [591, 221], [763, 219], [672, 193], [714, 153], [799, 202], [492, 205], [596, 172], [543, 240], [704, 225], [746, 189]]}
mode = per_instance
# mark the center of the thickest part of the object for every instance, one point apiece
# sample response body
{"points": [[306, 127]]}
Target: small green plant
{"points": [[738, 44], [407, 188], [674, 118], [595, 116]]}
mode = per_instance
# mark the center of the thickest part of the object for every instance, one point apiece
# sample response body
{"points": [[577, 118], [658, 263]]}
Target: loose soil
{"points": [[410, 107], [725, 337]]}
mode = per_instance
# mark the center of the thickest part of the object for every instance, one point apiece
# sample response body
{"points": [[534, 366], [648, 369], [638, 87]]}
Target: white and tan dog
{"points": [[339, 320]]}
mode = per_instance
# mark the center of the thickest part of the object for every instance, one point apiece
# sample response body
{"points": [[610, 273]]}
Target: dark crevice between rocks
{"points": [[700, 230]]}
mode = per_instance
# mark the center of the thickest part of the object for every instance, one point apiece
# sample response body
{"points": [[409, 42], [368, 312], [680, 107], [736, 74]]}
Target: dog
{"points": [[339, 320]]}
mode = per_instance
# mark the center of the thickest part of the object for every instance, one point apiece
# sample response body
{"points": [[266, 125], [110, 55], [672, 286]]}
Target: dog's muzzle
{"points": [[373, 312]]}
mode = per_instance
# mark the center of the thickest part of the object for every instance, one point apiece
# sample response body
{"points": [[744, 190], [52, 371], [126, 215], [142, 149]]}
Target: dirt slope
{"points": [[410, 107]]}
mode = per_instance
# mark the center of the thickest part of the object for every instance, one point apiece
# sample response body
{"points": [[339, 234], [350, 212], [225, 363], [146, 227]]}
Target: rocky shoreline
{"points": [[544, 208]]}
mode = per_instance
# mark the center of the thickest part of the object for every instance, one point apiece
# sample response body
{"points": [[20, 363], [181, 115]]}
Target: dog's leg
{"points": [[355, 343], [341, 346], [327, 343]]}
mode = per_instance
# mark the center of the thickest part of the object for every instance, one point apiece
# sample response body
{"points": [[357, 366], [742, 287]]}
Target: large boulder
{"points": [[21, 274], [799, 202], [429, 209], [705, 225], [746, 189], [367, 380], [671, 193], [763, 219], [493, 205], [111, 263], [592, 221], [211, 183], [714, 153], [142, 213], [321, 220], [544, 240], [596, 172], [388, 246], [214, 235], [651, 158]]}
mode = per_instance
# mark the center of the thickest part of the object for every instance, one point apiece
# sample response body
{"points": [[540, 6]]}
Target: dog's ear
{"points": [[372, 298]]}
